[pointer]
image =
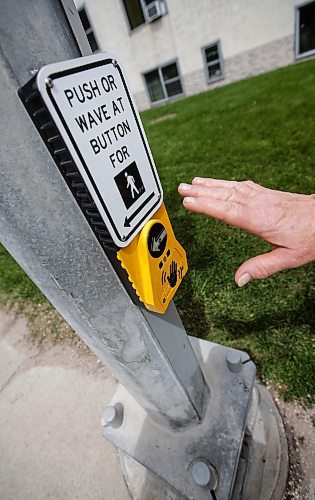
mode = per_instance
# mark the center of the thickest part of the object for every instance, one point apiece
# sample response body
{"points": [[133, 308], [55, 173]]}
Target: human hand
{"points": [[285, 220]]}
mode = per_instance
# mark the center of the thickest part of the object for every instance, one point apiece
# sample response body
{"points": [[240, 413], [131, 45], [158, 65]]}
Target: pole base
{"points": [[241, 438], [263, 466]]}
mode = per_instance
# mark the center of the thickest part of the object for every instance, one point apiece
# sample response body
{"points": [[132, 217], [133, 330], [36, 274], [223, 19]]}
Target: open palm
{"points": [[285, 220]]}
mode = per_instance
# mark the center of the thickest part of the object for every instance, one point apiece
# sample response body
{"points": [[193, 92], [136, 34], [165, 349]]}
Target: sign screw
{"points": [[49, 83], [114, 62], [123, 238]]}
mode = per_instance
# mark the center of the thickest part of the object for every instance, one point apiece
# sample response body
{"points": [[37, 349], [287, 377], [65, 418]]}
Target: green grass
{"points": [[260, 129], [15, 286]]}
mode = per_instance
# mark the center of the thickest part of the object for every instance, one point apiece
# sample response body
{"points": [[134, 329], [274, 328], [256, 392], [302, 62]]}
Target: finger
{"points": [[232, 193], [210, 182], [263, 266], [203, 181], [232, 213], [244, 186]]}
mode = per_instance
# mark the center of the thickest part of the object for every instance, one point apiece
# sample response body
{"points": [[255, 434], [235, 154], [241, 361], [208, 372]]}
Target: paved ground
{"points": [[51, 445]]}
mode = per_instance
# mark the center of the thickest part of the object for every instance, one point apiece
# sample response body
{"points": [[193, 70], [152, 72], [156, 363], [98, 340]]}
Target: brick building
{"points": [[172, 48]]}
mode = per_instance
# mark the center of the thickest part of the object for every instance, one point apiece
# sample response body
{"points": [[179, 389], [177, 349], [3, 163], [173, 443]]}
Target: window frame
{"points": [[146, 22], [90, 29], [159, 68], [308, 53], [212, 63]]}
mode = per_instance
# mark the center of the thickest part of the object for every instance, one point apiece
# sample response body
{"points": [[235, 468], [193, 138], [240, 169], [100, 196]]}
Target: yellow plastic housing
{"points": [[155, 262]]}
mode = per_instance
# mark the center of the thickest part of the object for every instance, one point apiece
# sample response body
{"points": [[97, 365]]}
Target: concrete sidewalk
{"points": [[51, 443]]}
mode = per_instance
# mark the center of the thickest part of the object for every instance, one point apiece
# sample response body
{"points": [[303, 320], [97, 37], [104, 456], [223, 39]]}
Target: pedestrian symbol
{"points": [[130, 184]]}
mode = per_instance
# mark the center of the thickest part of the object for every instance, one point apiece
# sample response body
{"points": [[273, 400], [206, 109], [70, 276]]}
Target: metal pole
{"points": [[45, 231], [43, 228]]}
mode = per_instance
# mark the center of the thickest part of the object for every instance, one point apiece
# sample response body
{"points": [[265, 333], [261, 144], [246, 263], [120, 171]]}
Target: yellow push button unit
{"points": [[155, 262]]}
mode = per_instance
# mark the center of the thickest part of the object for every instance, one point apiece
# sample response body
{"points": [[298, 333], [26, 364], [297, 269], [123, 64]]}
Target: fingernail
{"points": [[184, 187], [244, 279], [189, 200], [198, 179]]}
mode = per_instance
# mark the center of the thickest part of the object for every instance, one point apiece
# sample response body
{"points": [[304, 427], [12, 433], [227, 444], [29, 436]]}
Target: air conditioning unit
{"points": [[154, 10]]}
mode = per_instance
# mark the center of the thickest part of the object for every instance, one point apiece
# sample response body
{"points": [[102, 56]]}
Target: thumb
{"points": [[264, 265]]}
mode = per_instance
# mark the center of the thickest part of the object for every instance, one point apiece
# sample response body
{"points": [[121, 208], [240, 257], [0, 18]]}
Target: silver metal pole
{"points": [[43, 228]]}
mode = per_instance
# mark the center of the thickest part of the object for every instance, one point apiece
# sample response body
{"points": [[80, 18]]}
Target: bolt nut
{"points": [[113, 416], [114, 63], [201, 473], [204, 474], [234, 360], [49, 83]]}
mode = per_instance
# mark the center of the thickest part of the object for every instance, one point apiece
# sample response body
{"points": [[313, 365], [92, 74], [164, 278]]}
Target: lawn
{"points": [[260, 129]]}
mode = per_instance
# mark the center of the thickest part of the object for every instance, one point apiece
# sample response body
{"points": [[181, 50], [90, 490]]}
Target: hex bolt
{"points": [[114, 63], [49, 83], [234, 360], [113, 416], [201, 473]]}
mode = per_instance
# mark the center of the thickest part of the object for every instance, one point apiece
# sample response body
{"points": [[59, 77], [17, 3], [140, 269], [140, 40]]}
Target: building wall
{"points": [[272, 55], [255, 35]]}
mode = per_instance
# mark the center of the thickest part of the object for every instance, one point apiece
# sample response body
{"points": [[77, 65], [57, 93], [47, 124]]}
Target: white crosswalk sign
{"points": [[91, 105]]}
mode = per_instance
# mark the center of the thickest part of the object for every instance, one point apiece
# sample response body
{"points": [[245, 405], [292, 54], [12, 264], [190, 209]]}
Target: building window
{"points": [[213, 62], [163, 82], [88, 29], [143, 11], [305, 29]]}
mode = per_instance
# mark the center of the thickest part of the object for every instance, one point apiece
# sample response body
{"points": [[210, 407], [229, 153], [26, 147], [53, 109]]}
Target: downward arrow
{"points": [[156, 242]]}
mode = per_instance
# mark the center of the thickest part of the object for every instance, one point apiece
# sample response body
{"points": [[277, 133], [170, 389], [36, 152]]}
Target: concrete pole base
{"points": [[263, 465], [202, 456]]}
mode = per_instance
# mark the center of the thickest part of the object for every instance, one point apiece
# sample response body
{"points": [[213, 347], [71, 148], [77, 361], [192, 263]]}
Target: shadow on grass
{"points": [[192, 310], [190, 300], [303, 315]]}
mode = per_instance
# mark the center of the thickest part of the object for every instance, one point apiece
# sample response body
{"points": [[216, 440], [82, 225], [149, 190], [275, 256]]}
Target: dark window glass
{"points": [[88, 30], [154, 86], [84, 19], [163, 83], [212, 53], [213, 62], [92, 41], [214, 71], [173, 88], [170, 71], [307, 28], [134, 13]]}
